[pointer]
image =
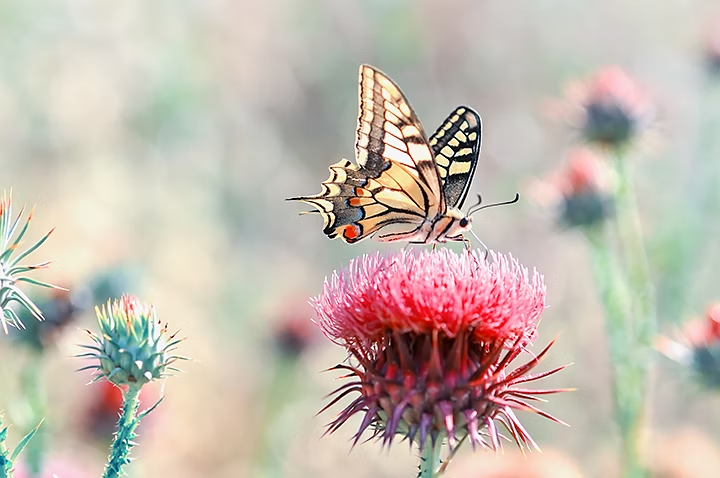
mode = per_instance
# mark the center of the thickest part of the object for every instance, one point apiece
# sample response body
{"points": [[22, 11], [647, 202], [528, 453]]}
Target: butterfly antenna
{"points": [[478, 207], [478, 203]]}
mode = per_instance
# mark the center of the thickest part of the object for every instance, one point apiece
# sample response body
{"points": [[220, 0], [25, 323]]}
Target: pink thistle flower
{"points": [[434, 334], [610, 108], [581, 192]]}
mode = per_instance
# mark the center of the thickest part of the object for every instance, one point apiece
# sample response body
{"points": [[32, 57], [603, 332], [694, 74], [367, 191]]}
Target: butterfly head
{"points": [[459, 223]]}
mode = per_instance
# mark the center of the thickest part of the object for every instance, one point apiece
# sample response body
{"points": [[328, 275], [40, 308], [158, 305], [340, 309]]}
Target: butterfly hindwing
{"points": [[456, 146], [354, 205]]}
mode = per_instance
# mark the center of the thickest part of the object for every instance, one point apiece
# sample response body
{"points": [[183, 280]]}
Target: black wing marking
{"points": [[456, 146]]}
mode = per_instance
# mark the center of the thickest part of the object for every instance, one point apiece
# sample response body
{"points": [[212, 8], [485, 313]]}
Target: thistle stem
{"points": [[633, 250], [643, 321], [627, 374], [447, 461], [430, 460], [123, 442], [273, 442], [627, 295]]}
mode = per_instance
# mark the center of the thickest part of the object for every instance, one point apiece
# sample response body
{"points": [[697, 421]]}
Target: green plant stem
{"points": [[636, 262], [626, 291], [123, 442], [643, 319], [34, 395], [627, 374], [273, 441], [430, 460]]}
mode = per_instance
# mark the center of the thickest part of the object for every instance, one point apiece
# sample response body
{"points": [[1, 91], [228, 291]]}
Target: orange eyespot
{"points": [[352, 232], [354, 202]]}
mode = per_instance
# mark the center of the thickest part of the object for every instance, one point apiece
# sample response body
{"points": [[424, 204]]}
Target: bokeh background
{"points": [[161, 139]]}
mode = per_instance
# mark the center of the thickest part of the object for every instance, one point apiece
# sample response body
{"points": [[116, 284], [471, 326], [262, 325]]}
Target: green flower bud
{"points": [[133, 347]]}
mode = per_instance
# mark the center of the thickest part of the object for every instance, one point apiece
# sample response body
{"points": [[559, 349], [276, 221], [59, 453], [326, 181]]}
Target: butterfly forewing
{"points": [[389, 132], [456, 145]]}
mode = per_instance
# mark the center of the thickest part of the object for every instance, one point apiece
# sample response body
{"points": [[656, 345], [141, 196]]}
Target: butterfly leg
{"points": [[487, 251]]}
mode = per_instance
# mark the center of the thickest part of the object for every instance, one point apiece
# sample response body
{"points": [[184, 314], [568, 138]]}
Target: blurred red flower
{"points": [[434, 334], [294, 330], [698, 346], [610, 108], [581, 192], [103, 410]]}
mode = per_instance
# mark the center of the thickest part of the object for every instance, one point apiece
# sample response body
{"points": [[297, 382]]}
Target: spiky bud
{"points": [[133, 347], [12, 272]]}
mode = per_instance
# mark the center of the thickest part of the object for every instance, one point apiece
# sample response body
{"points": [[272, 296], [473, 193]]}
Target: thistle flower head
{"points": [[581, 192], [133, 347], [433, 336], [698, 347], [12, 272], [613, 109]]}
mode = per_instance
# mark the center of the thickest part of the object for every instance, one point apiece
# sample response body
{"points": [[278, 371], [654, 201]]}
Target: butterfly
{"points": [[404, 187]]}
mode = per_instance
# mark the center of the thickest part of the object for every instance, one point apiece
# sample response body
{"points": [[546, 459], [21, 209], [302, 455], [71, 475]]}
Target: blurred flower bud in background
{"points": [[712, 49], [581, 192], [610, 109], [60, 308], [697, 347], [294, 330]]}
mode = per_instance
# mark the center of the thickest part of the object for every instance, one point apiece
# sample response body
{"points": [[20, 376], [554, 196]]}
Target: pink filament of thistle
{"points": [[423, 292]]}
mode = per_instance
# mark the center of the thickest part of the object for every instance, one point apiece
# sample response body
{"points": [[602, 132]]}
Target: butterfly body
{"points": [[404, 187]]}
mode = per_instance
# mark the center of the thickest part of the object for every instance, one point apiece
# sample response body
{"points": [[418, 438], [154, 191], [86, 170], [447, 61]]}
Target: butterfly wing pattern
{"points": [[396, 181], [456, 146]]}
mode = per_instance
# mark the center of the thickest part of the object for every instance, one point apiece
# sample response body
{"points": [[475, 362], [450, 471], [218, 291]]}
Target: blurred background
{"points": [[161, 139]]}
